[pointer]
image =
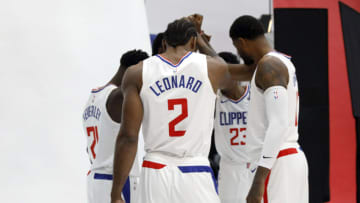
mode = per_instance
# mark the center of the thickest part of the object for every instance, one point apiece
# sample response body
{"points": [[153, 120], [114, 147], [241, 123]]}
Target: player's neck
{"points": [[261, 49], [174, 54]]}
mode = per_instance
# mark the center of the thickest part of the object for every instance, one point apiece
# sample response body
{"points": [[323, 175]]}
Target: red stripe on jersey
{"points": [[150, 164]]}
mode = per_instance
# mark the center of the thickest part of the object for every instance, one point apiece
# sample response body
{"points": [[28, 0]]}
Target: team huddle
{"points": [[170, 99]]}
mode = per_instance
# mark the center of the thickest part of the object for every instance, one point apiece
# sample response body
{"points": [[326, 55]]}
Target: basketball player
{"points": [[173, 95], [158, 45], [235, 178], [272, 131], [101, 121]]}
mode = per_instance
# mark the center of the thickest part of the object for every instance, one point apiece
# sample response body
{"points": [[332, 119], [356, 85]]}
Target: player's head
{"points": [[128, 59], [132, 57], [245, 30], [181, 32], [158, 45], [229, 57]]}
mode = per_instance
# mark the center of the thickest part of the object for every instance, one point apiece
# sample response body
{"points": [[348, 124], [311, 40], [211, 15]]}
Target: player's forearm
{"points": [[276, 105], [205, 47], [241, 72], [125, 152], [261, 175]]}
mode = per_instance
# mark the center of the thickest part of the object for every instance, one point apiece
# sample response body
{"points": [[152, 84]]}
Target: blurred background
{"points": [[54, 52]]}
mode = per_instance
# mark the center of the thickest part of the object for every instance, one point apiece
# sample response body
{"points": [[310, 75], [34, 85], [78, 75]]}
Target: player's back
{"points": [[100, 129], [179, 104], [257, 115]]}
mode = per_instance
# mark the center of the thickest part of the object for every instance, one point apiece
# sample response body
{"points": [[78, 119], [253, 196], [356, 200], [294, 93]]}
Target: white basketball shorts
{"points": [[99, 188], [288, 179], [177, 180], [234, 181]]}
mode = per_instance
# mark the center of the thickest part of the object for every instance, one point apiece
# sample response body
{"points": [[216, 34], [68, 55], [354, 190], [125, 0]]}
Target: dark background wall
{"points": [[341, 120], [303, 34]]}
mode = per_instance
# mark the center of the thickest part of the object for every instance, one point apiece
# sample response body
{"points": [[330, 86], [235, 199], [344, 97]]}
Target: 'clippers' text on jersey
{"points": [[231, 118]]}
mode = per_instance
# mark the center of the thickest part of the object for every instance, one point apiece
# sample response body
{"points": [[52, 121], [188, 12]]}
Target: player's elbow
{"points": [[127, 137]]}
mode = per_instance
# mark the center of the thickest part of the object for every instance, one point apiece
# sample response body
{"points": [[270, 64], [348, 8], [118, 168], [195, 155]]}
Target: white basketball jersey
{"points": [[179, 104], [257, 121], [101, 132], [230, 127]]}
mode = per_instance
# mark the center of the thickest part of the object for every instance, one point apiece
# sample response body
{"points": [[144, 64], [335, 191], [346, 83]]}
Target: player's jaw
{"points": [[241, 50]]}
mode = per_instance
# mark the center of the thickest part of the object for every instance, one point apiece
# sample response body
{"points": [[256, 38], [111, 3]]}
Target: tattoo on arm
{"points": [[271, 72]]}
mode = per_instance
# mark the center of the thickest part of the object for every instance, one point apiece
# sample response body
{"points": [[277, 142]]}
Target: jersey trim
{"points": [[164, 59], [287, 56], [240, 99], [96, 90]]}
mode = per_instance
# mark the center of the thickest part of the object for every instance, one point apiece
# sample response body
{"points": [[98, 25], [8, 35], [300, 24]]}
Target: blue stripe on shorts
{"points": [[126, 188], [199, 169]]}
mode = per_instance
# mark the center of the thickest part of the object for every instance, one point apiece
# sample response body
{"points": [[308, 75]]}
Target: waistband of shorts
{"points": [[290, 145], [164, 159], [282, 153], [288, 151]]}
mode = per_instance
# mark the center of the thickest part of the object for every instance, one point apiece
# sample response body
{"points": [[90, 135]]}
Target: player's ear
{"points": [[242, 41], [163, 45], [193, 43]]}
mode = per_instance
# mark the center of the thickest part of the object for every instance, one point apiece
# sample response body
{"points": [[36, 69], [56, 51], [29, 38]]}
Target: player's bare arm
{"points": [[126, 143], [218, 73], [114, 104], [271, 73], [239, 72]]}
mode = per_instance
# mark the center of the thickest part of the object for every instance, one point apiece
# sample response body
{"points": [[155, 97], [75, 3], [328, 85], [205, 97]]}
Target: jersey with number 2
{"points": [[179, 104]]}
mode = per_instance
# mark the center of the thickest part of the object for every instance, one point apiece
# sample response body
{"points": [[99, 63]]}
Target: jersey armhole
{"points": [[105, 106]]}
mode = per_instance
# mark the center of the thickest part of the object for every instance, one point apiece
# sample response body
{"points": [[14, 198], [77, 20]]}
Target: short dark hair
{"points": [[157, 43], [132, 57], [179, 32], [229, 57], [246, 27]]}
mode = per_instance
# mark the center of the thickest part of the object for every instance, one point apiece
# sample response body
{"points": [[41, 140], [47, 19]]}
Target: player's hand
{"points": [[197, 20], [256, 193]]}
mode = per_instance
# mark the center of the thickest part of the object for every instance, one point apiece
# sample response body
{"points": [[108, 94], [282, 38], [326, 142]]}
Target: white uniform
{"points": [[179, 104], [101, 132], [235, 178], [288, 180]]}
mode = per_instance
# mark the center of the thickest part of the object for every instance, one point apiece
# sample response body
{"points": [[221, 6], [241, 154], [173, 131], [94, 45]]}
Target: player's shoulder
{"points": [[133, 76], [271, 71], [270, 64]]}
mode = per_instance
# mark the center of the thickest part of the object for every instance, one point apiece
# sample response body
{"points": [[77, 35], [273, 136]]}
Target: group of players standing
{"points": [[174, 96]]}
